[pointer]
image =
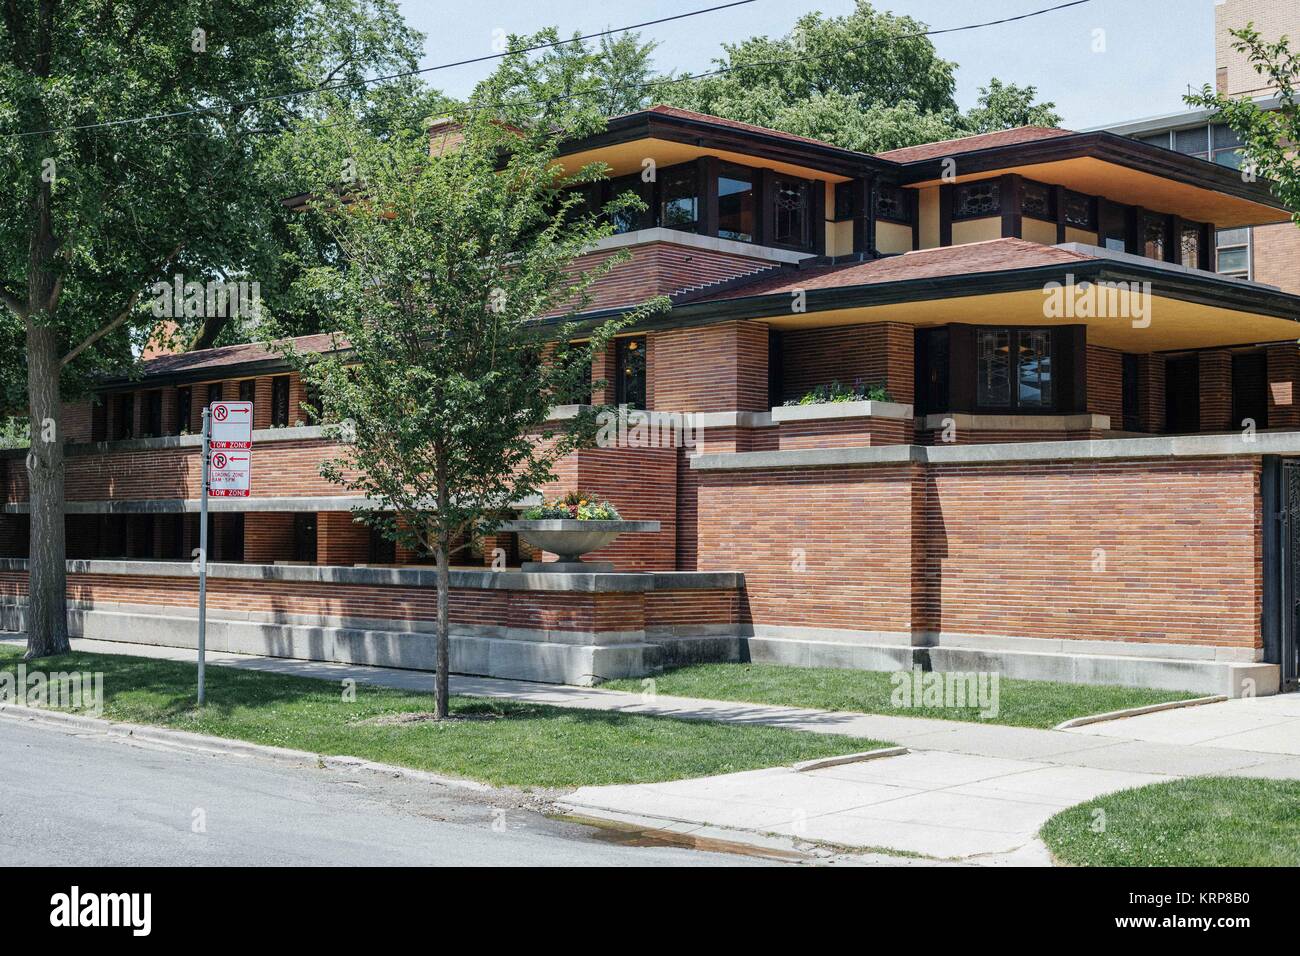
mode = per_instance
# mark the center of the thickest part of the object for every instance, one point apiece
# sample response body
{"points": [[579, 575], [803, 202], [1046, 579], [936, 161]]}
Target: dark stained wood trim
{"points": [[1009, 199], [1058, 201], [945, 214], [914, 204]]}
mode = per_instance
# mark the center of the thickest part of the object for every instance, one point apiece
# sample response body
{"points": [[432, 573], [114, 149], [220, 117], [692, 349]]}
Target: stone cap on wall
{"points": [[423, 577], [1179, 446]]}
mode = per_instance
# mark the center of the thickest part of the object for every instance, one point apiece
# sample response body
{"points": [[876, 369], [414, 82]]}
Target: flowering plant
{"points": [[576, 504]]}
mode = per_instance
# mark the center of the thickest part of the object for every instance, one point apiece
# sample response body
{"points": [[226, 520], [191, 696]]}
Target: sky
{"points": [[1153, 49]]}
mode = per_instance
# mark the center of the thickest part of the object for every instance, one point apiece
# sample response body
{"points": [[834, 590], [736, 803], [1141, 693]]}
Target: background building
{"points": [[1269, 254]]}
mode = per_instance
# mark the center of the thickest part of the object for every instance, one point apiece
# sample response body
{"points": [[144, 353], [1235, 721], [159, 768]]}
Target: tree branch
{"points": [[125, 314]]}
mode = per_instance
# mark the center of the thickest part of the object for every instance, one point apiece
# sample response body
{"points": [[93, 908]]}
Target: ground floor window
{"points": [[1014, 368]]}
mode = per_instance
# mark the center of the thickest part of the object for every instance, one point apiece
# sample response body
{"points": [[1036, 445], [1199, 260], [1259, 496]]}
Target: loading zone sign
{"points": [[229, 473], [231, 425]]}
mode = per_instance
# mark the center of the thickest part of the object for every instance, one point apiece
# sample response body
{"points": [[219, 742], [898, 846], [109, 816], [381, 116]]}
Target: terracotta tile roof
{"points": [[995, 255], [230, 355], [968, 144], [680, 113]]}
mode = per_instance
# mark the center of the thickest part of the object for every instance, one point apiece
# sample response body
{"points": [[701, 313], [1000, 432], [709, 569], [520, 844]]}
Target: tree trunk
{"points": [[47, 615], [442, 637]]}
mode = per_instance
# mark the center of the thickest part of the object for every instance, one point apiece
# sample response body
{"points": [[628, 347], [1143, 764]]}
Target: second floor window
{"points": [[679, 204], [183, 401], [892, 204], [630, 371], [791, 217], [125, 423], [1155, 236], [1232, 251], [971, 200], [154, 414], [1036, 201], [214, 393], [280, 401], [736, 203]]}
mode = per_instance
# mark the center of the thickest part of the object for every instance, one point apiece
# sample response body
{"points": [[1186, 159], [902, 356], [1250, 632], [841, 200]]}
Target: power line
{"points": [[273, 97], [650, 84], [787, 61]]}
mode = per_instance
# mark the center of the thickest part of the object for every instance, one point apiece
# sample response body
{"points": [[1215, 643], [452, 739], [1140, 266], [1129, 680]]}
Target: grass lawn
{"points": [[495, 741], [1021, 703], [1201, 821]]}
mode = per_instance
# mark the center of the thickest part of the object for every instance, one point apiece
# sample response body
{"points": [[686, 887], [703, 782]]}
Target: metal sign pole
{"points": [[203, 554]]}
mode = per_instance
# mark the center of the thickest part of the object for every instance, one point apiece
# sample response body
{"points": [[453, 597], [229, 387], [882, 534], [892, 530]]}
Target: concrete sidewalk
{"points": [[1083, 747], [969, 792], [1265, 725]]}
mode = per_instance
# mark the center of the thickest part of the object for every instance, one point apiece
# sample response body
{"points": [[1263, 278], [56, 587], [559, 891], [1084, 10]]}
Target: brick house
{"points": [[1071, 467]]}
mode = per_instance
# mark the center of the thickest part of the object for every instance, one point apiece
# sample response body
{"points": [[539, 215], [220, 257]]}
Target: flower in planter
{"points": [[575, 505], [835, 392]]}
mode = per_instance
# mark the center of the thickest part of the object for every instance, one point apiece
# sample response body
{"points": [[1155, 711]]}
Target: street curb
{"points": [[1137, 711], [213, 746], [822, 762]]}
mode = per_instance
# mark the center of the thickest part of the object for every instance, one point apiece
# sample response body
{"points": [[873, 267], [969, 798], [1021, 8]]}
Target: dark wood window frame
{"points": [[280, 391], [706, 171], [630, 388], [184, 406]]}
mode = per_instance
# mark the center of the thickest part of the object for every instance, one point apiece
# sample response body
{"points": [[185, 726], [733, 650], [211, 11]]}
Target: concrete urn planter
{"points": [[570, 539]]}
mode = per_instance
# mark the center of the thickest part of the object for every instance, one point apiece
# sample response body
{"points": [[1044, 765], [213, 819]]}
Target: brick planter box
{"points": [[843, 424]]}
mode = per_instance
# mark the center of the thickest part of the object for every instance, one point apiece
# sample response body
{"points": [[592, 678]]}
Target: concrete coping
{"points": [[1110, 449], [261, 436], [485, 580], [1027, 423], [825, 410]]}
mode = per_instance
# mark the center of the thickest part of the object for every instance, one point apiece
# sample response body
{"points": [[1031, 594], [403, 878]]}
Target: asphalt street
{"points": [[84, 799]]}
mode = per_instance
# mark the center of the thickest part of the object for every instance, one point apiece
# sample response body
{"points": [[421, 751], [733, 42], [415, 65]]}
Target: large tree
{"points": [[444, 378], [1269, 137], [869, 80], [95, 207]]}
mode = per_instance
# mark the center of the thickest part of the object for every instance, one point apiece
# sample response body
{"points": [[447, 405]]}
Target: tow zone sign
{"points": [[230, 445]]}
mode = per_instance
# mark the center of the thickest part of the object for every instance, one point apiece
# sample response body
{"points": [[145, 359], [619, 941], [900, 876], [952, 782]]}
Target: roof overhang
{"points": [[1180, 312], [1121, 169], [681, 138]]}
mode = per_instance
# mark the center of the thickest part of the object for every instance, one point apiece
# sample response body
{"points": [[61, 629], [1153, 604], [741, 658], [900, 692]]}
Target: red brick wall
{"points": [[998, 549], [289, 468], [76, 422], [1106, 384], [1010, 549], [1151, 393], [1216, 391], [1284, 390], [1277, 256], [713, 368], [875, 354], [268, 537], [534, 610], [848, 528], [844, 432], [340, 540]]}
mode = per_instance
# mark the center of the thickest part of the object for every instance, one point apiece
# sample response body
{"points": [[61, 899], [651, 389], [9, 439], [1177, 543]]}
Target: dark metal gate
{"points": [[1281, 623]]}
